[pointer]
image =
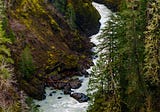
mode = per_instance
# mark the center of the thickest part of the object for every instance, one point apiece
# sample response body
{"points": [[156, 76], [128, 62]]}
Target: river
{"points": [[59, 102]]}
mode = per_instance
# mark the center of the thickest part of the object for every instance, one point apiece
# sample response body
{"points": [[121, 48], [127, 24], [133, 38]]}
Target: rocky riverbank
{"points": [[50, 40], [67, 84]]}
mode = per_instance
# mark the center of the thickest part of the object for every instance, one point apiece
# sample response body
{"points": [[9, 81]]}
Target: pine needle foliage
{"points": [[152, 43], [26, 65], [127, 74]]}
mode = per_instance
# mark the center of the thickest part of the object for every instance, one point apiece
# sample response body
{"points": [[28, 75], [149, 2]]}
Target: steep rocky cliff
{"points": [[49, 39], [81, 15]]}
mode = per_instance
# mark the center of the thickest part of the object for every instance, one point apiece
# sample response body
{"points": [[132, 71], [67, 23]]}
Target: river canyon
{"points": [[55, 100]]}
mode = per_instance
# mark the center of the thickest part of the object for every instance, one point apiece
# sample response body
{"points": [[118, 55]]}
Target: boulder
{"points": [[59, 85], [56, 77], [59, 97], [53, 92], [50, 94], [67, 89], [65, 84], [85, 73], [80, 97], [37, 106], [75, 83]]}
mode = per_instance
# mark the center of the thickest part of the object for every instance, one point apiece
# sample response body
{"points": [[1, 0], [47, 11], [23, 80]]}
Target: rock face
{"points": [[67, 89], [75, 83], [65, 84], [84, 16], [87, 17], [56, 44], [80, 97]]}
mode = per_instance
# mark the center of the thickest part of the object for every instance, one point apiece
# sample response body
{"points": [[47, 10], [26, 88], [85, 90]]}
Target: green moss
{"points": [[87, 17], [71, 16], [60, 5], [83, 56], [54, 24], [59, 60], [71, 61], [53, 58], [27, 8]]}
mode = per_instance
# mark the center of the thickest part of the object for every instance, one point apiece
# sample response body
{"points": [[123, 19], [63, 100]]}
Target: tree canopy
{"points": [[128, 70]]}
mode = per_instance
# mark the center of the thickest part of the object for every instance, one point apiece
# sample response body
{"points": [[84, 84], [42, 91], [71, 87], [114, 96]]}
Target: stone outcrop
{"points": [[80, 14], [80, 97], [65, 84]]}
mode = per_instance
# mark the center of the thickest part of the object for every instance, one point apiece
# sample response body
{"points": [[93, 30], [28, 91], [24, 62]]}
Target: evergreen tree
{"points": [[121, 63], [104, 76], [131, 52], [152, 55], [27, 67], [152, 43]]}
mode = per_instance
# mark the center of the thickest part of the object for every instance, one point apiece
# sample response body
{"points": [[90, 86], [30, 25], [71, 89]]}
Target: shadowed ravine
{"points": [[57, 101]]}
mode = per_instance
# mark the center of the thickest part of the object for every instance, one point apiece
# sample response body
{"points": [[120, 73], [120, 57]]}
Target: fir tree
{"points": [[26, 65], [104, 76], [152, 55], [121, 63], [152, 43]]}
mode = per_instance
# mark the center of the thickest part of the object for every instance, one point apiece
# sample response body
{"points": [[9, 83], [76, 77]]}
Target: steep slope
{"points": [[45, 43], [81, 15]]}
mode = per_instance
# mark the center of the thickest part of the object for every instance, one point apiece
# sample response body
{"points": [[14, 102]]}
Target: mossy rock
{"points": [[87, 17], [80, 14], [59, 61], [71, 61]]}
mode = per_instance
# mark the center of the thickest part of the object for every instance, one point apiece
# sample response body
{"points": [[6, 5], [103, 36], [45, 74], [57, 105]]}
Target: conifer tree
{"points": [[122, 61], [152, 55], [131, 69], [27, 67], [104, 76], [152, 43]]}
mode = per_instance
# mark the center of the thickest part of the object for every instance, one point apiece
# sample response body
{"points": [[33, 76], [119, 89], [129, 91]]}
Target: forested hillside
{"points": [[40, 39], [127, 74], [45, 43]]}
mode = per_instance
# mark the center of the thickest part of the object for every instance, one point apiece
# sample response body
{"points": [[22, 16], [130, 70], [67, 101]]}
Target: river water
{"points": [[59, 102]]}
